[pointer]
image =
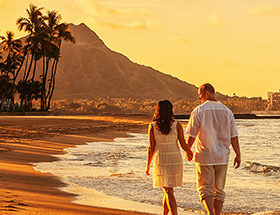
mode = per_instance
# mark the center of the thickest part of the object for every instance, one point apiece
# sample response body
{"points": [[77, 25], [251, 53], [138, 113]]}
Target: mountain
{"points": [[89, 69]]}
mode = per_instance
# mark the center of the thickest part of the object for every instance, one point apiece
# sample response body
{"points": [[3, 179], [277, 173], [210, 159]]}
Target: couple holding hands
{"points": [[212, 127]]}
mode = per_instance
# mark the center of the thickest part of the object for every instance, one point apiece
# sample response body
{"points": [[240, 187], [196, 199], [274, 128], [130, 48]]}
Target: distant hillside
{"points": [[89, 69]]}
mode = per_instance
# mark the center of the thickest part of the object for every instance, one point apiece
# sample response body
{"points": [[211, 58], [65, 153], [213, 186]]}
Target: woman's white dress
{"points": [[168, 162]]}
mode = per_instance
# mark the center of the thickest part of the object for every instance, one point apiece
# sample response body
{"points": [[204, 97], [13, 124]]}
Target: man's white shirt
{"points": [[213, 126]]}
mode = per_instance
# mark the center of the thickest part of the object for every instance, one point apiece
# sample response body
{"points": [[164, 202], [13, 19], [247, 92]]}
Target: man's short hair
{"points": [[207, 87]]}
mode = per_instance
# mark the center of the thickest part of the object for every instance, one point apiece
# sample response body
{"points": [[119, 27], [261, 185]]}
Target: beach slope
{"points": [[28, 140]]}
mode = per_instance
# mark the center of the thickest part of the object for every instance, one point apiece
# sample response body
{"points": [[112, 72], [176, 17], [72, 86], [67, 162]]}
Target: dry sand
{"points": [[28, 140]]}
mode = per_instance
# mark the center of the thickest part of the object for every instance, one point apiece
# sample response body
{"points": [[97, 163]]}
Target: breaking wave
{"points": [[267, 170]]}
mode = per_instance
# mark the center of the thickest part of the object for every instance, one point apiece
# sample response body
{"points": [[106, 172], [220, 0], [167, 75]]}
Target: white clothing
{"points": [[213, 126], [168, 162]]}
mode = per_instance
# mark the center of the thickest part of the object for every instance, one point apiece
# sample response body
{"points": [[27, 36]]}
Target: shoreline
{"points": [[25, 141], [253, 115], [93, 197]]}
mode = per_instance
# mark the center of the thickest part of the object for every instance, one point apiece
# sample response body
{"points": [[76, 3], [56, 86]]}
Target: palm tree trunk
{"points": [[26, 54], [12, 99], [44, 83], [1, 105], [21, 104], [29, 100], [52, 84], [25, 104], [29, 69], [17, 72], [34, 70], [54, 69], [42, 92], [12, 103], [25, 69]]}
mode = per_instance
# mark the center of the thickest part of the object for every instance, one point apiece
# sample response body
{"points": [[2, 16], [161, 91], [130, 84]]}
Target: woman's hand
{"points": [[147, 172], [189, 155]]}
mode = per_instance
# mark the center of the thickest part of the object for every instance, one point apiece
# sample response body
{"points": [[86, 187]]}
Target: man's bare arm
{"points": [[236, 148]]}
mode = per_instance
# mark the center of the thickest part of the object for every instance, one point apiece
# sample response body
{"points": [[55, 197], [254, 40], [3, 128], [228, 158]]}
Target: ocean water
{"points": [[117, 169]]}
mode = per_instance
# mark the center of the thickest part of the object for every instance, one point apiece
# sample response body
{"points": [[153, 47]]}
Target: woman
{"points": [[164, 133]]}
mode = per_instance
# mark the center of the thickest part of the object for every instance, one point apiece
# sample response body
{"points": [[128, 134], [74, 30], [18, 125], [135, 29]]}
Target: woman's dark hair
{"points": [[163, 116]]}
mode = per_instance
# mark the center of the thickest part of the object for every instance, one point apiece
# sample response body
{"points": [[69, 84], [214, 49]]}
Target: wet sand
{"points": [[28, 140]]}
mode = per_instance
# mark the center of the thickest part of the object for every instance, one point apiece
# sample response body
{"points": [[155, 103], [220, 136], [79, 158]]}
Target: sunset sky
{"points": [[233, 44]]}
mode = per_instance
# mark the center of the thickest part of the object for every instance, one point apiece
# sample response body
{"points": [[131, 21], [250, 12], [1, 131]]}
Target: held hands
{"points": [[147, 172], [237, 162], [189, 155]]}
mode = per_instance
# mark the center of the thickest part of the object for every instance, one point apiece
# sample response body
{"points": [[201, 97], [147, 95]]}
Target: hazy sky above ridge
{"points": [[233, 44]]}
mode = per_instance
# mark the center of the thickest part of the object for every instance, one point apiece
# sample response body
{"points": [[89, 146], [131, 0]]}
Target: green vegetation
{"points": [[143, 106], [19, 60]]}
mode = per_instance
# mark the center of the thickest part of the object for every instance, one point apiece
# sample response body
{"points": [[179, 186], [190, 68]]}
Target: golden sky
{"points": [[233, 44]]}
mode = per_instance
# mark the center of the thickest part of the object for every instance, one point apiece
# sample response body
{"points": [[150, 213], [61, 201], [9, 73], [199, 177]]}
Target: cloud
{"points": [[215, 20], [131, 25], [105, 10], [99, 9], [265, 9], [116, 17], [182, 39]]}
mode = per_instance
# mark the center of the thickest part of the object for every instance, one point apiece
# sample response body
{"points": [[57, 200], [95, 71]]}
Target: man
{"points": [[212, 126]]}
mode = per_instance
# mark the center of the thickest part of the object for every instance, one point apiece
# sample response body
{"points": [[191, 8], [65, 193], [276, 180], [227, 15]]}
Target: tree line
{"points": [[19, 72]]}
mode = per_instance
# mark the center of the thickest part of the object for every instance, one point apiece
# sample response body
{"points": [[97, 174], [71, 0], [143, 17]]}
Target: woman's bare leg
{"points": [[164, 205], [170, 200]]}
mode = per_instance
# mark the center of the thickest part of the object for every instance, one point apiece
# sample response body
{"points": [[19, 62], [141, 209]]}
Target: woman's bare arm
{"points": [[182, 141], [151, 149]]}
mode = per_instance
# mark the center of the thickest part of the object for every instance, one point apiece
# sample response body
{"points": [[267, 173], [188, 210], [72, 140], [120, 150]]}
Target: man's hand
{"points": [[189, 155], [237, 162], [235, 146]]}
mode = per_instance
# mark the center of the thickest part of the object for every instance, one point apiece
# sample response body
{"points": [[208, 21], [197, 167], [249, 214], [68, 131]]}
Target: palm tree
{"points": [[57, 32], [61, 33], [43, 42], [28, 90], [35, 92], [49, 44], [32, 25], [33, 22], [6, 90], [9, 44], [13, 50]]}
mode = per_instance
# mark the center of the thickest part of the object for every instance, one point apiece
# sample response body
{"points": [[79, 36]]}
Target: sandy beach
{"points": [[28, 140]]}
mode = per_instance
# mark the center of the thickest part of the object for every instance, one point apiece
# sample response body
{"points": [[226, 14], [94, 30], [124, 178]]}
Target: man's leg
{"points": [[205, 176], [218, 205], [208, 204], [219, 194]]}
